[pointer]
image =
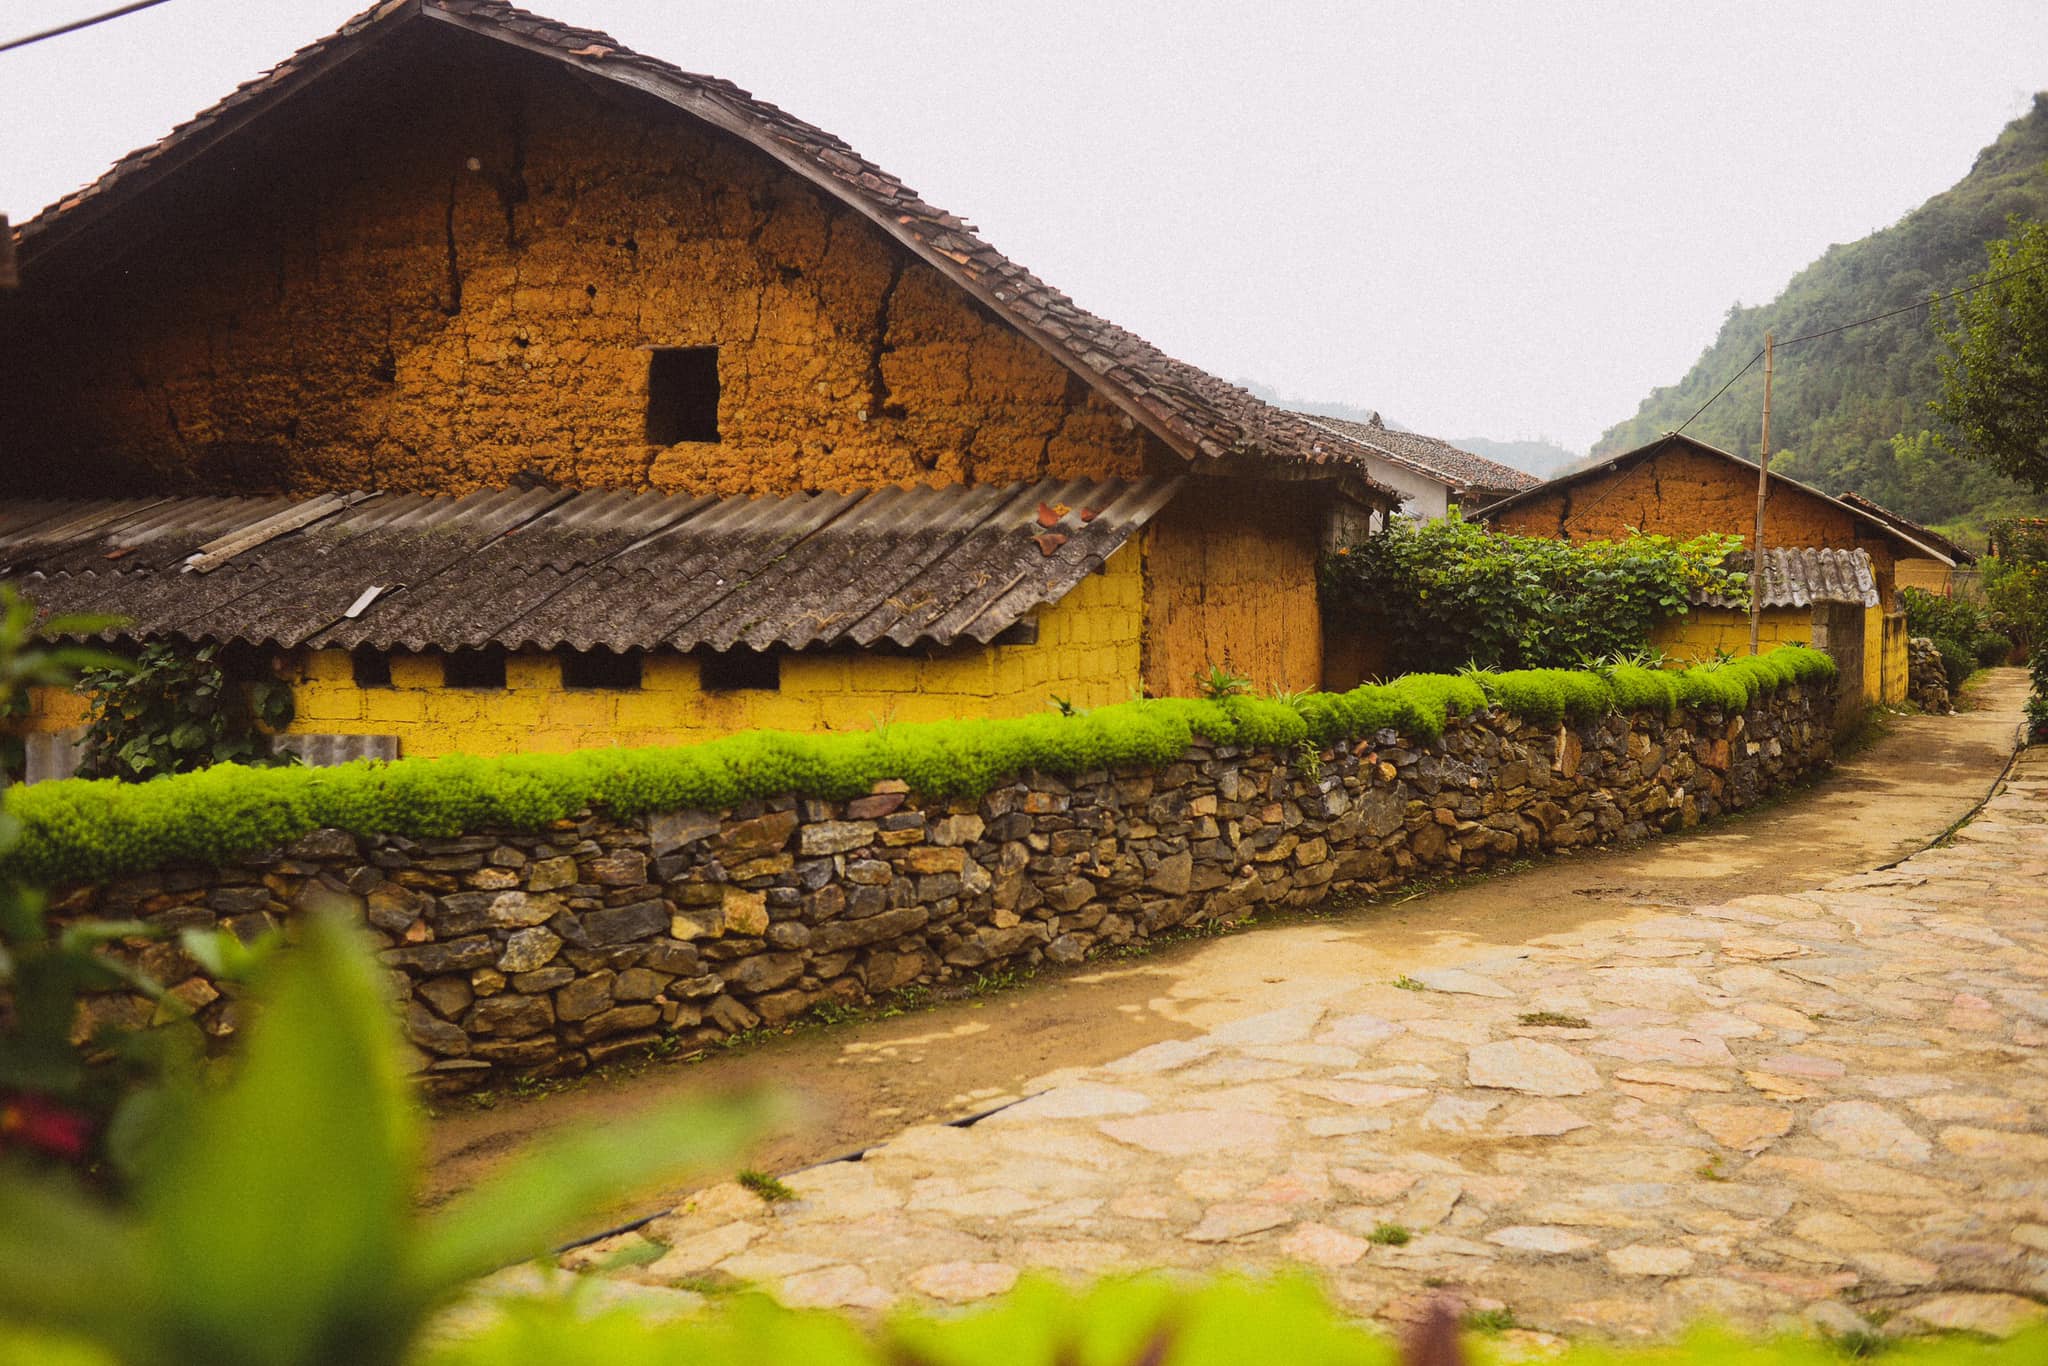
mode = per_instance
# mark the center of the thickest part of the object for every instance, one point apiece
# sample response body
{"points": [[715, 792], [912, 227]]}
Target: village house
{"points": [[1940, 577], [510, 390], [1432, 476], [1830, 577]]}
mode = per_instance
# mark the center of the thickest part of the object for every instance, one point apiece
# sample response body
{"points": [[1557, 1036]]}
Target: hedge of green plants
{"points": [[81, 830], [1145, 1321]]}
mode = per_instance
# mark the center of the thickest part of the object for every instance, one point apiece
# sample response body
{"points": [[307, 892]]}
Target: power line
{"points": [[76, 25], [1860, 322]]}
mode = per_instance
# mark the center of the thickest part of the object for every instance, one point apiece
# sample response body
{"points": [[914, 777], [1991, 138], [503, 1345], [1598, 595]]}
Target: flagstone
{"points": [[1456, 981], [1745, 1128], [1324, 1246], [1638, 1259], [961, 1282], [1993, 1315], [1186, 1133], [1240, 1219], [1075, 1100], [1531, 1067], [1867, 1130], [1544, 1238], [1995, 1145]]}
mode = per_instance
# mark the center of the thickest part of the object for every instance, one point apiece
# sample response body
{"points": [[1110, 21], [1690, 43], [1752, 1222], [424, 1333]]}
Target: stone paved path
{"points": [[1815, 1105]]}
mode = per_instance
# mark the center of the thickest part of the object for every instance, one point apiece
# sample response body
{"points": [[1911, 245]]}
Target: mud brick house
{"points": [[1677, 486], [1432, 476], [512, 390]]}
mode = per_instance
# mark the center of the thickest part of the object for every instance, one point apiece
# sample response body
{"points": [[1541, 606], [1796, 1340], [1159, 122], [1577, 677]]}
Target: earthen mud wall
{"points": [[1682, 493], [443, 271], [547, 951]]}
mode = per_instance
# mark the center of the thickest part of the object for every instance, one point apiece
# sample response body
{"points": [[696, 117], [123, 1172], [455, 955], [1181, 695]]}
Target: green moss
{"points": [[81, 830]]}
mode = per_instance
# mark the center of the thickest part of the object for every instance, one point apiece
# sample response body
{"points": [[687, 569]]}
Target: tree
{"points": [[1994, 378]]}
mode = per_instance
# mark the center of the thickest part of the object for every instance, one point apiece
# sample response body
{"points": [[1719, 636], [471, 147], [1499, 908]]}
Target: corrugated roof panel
{"points": [[1800, 576], [546, 568]]}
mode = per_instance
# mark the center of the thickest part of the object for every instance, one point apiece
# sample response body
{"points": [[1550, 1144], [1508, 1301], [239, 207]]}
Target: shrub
{"points": [[1962, 631], [174, 709], [1450, 593], [81, 830]]}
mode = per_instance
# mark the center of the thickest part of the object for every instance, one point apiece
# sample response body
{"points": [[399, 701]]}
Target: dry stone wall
{"points": [[551, 950]]}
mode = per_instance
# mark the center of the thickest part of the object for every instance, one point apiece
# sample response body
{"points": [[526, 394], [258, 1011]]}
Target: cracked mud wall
{"points": [[1682, 493], [444, 270]]}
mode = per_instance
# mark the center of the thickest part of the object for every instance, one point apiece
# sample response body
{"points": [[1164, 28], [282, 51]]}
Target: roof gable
{"points": [[1881, 528], [1455, 468], [1206, 420]]}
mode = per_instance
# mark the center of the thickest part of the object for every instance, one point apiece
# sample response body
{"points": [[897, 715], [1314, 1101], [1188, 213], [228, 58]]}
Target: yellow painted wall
{"points": [[1704, 630], [1886, 662], [1930, 576]]}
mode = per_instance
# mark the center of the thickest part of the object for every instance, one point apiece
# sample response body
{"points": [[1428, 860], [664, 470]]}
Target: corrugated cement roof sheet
{"points": [[1802, 576], [546, 568]]}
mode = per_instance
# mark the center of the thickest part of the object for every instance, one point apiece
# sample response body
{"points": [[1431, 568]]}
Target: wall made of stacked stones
{"points": [[548, 951]]}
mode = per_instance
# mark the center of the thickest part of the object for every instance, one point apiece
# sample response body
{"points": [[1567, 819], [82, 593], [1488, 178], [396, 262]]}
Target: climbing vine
{"points": [[1450, 594], [177, 709]]}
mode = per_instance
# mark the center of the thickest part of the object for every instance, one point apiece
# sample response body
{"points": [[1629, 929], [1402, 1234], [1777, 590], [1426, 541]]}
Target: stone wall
{"points": [[551, 950], [1928, 685]]}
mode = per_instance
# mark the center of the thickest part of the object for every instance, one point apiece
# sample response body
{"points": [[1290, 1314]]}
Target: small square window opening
{"points": [[738, 669], [601, 669], [682, 394], [473, 669], [372, 667]]}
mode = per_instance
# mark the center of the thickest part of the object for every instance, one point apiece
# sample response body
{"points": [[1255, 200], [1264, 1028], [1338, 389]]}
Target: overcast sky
{"points": [[1499, 220]]}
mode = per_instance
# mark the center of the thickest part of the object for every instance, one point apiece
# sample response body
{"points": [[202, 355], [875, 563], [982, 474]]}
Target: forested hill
{"points": [[1852, 408]]}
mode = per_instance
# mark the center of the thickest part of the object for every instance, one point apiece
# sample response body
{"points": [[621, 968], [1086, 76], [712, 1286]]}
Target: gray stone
{"points": [[834, 837], [526, 950], [624, 924], [584, 997]]}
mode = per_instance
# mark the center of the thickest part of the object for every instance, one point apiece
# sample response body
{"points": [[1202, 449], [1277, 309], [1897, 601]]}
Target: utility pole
{"points": [[1763, 493]]}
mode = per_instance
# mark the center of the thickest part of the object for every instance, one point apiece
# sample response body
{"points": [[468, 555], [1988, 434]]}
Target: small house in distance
{"points": [[1831, 568], [1432, 476], [1939, 577], [508, 389]]}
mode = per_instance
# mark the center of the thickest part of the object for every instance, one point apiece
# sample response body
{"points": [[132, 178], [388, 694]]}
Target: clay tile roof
{"points": [[544, 568], [1797, 576], [1194, 412], [1426, 455]]}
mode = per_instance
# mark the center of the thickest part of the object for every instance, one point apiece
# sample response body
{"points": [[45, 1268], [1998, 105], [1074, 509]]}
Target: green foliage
{"points": [[769, 1190], [2016, 584], [1448, 593], [82, 830], [276, 1223], [175, 709], [1219, 681], [1849, 411], [1960, 629], [1994, 377], [88, 1104]]}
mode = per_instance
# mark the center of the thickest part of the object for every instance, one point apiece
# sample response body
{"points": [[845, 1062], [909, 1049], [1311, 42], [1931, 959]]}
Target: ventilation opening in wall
{"points": [[738, 669], [682, 394], [601, 669], [473, 669], [372, 667]]}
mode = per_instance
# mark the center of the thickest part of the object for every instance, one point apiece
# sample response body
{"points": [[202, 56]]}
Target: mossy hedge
{"points": [[80, 830]]}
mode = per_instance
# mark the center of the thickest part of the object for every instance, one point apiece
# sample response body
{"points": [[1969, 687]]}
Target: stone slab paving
{"points": [[1817, 1106]]}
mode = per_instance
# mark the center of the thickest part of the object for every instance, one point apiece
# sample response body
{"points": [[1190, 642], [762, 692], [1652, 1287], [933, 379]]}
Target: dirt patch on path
{"points": [[861, 1083]]}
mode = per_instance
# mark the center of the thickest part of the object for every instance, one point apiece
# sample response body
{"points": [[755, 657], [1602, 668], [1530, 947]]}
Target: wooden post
{"points": [[1763, 493]]}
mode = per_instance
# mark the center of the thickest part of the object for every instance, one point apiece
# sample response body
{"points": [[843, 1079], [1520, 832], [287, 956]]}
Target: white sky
{"points": [[1501, 220]]}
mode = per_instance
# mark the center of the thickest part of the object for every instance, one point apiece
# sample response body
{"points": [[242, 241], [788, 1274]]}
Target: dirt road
{"points": [[860, 1083]]}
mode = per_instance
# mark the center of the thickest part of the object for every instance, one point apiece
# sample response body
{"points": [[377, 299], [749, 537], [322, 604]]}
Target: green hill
{"points": [[1851, 409]]}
